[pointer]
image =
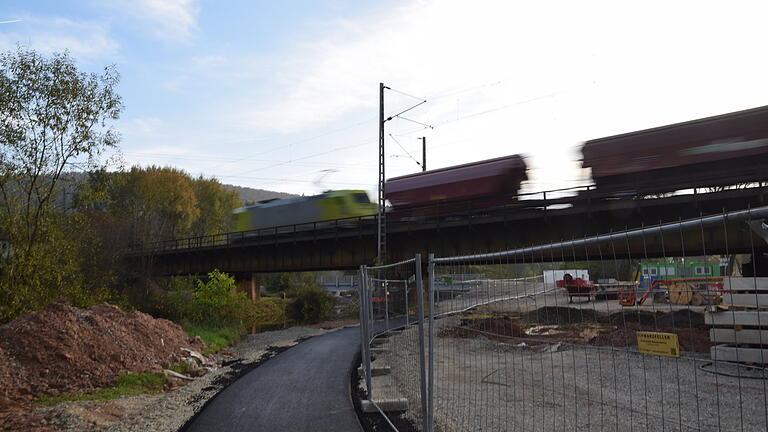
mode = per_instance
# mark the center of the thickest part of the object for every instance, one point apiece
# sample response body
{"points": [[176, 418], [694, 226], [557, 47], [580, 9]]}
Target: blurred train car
{"points": [[714, 151], [473, 185], [327, 206]]}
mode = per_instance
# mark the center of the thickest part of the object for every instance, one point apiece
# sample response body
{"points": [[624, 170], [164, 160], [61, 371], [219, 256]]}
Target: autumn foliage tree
{"points": [[161, 203], [215, 204], [55, 119], [52, 117]]}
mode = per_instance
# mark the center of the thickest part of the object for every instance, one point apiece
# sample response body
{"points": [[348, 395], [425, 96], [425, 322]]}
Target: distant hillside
{"points": [[70, 181], [251, 196]]}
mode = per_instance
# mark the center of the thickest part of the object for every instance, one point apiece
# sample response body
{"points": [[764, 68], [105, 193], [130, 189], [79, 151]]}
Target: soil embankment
{"points": [[63, 349], [553, 324]]}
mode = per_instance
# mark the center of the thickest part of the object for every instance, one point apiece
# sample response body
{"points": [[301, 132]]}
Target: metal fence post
{"points": [[407, 311], [422, 350], [431, 383], [369, 301], [386, 305], [364, 332]]}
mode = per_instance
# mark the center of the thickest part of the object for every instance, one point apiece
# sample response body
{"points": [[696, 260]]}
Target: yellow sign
{"points": [[663, 344]]}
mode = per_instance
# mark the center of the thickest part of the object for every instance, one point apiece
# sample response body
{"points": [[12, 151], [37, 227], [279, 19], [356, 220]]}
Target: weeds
{"points": [[125, 385]]}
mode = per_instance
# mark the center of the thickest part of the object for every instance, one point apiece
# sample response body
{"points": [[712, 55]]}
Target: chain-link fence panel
{"points": [[393, 350]]}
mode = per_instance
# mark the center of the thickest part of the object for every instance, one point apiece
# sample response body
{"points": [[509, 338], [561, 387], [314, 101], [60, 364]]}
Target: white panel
{"points": [[748, 336], [744, 355], [746, 299], [745, 283], [731, 318]]}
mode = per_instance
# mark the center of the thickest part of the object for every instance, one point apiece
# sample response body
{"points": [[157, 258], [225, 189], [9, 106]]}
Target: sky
{"points": [[284, 95]]}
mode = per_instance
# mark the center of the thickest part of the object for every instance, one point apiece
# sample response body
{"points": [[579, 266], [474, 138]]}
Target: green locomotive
{"points": [[328, 206]]}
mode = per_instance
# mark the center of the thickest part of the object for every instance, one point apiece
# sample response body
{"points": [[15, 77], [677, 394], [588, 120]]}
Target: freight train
{"points": [[726, 149], [722, 150]]}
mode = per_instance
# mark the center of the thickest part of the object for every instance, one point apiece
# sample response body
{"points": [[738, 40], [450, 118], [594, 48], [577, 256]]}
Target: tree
{"points": [[52, 117], [215, 204], [157, 203]]}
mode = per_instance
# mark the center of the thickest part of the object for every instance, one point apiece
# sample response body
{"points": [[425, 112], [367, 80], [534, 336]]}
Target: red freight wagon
{"points": [[721, 150], [480, 181]]}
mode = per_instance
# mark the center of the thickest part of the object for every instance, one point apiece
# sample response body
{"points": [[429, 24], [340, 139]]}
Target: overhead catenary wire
{"points": [[405, 110], [289, 180], [403, 148], [201, 158], [301, 141], [323, 134], [405, 94], [307, 157], [423, 125], [426, 126]]}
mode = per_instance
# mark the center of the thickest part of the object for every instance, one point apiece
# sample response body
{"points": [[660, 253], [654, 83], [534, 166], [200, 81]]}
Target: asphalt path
{"points": [[305, 388]]}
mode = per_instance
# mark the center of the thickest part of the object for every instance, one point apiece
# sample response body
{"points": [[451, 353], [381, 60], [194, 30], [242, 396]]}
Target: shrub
{"points": [[311, 304], [216, 301]]}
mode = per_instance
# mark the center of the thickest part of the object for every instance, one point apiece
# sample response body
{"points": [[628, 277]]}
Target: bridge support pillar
{"points": [[249, 284]]}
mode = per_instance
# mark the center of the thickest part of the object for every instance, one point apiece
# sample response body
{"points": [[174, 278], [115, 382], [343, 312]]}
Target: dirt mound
{"points": [[634, 316], [584, 326], [62, 349], [562, 315], [694, 339]]}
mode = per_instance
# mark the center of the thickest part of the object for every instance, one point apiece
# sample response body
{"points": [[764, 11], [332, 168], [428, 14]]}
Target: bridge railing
{"points": [[411, 217], [624, 338], [257, 235]]}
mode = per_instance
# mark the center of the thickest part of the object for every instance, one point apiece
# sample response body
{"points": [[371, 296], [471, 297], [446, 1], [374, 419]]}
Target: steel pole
{"points": [[386, 305], [382, 234], [407, 312], [422, 348], [366, 340], [431, 383]]}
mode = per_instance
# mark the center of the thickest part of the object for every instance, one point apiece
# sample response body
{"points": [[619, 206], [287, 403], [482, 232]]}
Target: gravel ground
{"points": [[166, 412], [482, 385]]}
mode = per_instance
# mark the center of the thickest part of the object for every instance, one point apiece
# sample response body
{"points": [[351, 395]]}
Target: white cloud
{"points": [[170, 20], [589, 70], [142, 126], [83, 39], [209, 62], [176, 83]]}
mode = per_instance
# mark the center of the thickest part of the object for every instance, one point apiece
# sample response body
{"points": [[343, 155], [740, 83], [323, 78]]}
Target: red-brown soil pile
{"points": [[62, 349]]}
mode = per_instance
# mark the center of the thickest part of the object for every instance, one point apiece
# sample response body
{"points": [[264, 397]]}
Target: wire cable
{"points": [[406, 151], [405, 94]]}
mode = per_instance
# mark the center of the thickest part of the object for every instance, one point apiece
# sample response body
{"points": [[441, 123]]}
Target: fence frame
{"points": [[752, 217], [369, 333]]}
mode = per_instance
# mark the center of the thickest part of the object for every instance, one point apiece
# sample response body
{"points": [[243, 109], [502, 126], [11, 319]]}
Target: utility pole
{"points": [[382, 227], [423, 153]]}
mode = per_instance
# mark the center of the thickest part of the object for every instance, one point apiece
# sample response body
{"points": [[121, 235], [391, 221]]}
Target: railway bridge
{"points": [[348, 243]]}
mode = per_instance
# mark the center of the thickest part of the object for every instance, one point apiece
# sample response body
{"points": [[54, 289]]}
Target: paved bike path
{"points": [[305, 388]]}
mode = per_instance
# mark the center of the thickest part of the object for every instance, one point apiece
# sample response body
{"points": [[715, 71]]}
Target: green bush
{"points": [[214, 303], [310, 305]]}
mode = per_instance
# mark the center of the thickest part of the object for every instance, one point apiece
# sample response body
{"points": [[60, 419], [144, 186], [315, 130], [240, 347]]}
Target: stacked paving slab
{"points": [[385, 392], [740, 323]]}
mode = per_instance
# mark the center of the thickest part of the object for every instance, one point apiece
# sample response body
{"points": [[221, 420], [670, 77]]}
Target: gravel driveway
{"points": [[483, 385]]}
